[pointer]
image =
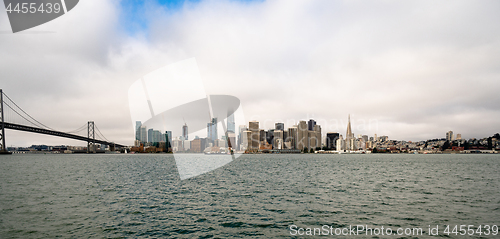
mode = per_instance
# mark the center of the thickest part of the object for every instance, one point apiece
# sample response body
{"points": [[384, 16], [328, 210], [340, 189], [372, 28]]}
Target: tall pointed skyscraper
{"points": [[349, 137], [349, 132]]}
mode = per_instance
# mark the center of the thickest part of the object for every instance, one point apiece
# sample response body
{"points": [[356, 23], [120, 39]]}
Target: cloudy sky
{"points": [[411, 70]]}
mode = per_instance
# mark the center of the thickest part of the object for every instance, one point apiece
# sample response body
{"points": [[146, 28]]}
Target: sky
{"points": [[412, 70]]}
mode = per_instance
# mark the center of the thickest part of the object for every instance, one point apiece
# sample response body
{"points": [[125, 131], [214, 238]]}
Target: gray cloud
{"points": [[414, 69]]}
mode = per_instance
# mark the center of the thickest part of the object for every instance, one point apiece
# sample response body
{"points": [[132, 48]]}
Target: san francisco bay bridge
{"points": [[14, 117]]}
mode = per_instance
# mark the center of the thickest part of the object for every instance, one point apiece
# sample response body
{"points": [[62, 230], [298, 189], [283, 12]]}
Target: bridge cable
{"points": [[20, 114], [25, 113], [101, 133]]}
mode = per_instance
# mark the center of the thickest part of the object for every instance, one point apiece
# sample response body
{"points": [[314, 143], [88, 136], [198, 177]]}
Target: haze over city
{"points": [[412, 70]]}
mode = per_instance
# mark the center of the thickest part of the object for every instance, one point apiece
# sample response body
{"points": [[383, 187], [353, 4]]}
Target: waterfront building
{"points": [[459, 136], [364, 137], [292, 137], [449, 135], [253, 126], [317, 130], [278, 139], [156, 136], [212, 130], [177, 145], [150, 135], [313, 141], [262, 135], [310, 124], [279, 126], [270, 136], [302, 135], [241, 129], [168, 139], [231, 140], [143, 134], [231, 125], [247, 140], [331, 140], [198, 145], [340, 143], [138, 125]]}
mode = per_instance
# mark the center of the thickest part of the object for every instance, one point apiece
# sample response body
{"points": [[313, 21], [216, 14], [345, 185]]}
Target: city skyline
{"points": [[412, 69], [305, 136]]}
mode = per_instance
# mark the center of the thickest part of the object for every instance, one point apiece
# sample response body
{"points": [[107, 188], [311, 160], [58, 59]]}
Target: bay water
{"points": [[261, 196]]}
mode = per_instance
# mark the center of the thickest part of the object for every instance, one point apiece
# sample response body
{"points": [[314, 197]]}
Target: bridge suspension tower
{"points": [[91, 137], [3, 150]]}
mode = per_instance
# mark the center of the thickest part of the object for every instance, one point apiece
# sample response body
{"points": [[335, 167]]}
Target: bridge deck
{"points": [[55, 133]]}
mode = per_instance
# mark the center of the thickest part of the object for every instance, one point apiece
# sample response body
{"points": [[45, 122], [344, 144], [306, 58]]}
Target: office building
{"points": [[253, 126], [317, 130], [310, 124], [270, 136], [292, 137], [331, 140], [279, 126], [138, 125], [231, 125], [143, 134], [247, 140], [302, 135], [449, 135], [185, 131], [150, 135], [168, 139], [212, 130], [262, 135], [278, 139], [340, 144], [241, 129], [197, 145]]}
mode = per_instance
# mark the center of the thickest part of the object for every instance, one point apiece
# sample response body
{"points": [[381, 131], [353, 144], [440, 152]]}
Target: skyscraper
{"points": [[317, 135], [241, 129], [150, 135], [168, 139], [340, 144], [278, 139], [212, 129], [231, 125], [143, 137], [270, 136], [279, 126], [253, 126], [185, 131], [138, 125], [302, 135], [331, 140], [156, 136], [449, 135], [292, 136], [310, 124], [349, 138]]}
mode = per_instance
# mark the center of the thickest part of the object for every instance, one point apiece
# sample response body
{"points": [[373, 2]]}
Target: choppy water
{"points": [[112, 196]]}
